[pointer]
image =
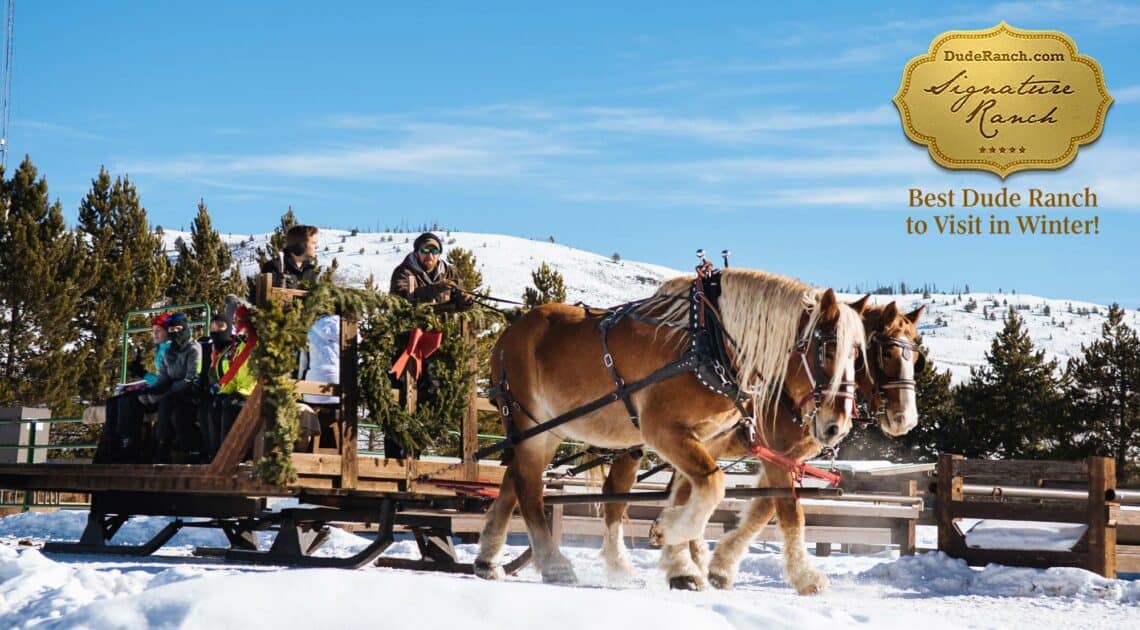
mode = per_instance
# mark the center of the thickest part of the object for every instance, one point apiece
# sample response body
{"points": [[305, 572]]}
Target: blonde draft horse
{"points": [[886, 380], [551, 363]]}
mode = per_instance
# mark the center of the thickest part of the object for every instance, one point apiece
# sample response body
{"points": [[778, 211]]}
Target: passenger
{"points": [[175, 434], [204, 391], [425, 278], [296, 267], [122, 427], [232, 380]]}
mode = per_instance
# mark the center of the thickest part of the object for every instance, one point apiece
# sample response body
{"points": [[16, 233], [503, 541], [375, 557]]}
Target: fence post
{"points": [[949, 490], [1102, 532], [469, 437], [30, 459]]}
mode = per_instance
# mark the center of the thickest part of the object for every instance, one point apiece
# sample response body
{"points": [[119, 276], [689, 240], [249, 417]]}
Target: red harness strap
{"points": [[799, 470]]}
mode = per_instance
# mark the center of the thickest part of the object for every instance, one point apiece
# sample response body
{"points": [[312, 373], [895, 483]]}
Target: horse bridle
{"points": [[876, 345], [816, 377]]}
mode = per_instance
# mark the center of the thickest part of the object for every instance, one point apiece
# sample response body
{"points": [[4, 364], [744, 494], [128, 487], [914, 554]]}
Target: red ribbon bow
{"points": [[420, 346]]}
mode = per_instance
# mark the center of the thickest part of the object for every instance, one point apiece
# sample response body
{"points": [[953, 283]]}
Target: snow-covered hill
{"points": [[957, 338]]}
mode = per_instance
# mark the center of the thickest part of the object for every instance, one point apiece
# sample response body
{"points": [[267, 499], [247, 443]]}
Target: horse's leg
{"points": [[804, 577], [495, 528], [732, 547], [531, 457], [679, 524], [684, 564], [622, 474]]}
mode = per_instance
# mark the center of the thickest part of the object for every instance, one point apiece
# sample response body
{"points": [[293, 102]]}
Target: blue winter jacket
{"points": [[152, 377]]}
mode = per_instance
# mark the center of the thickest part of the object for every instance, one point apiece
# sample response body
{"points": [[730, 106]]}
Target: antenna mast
{"points": [[6, 105]]}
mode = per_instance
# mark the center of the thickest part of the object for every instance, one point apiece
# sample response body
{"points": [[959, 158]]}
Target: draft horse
{"points": [[559, 359], [885, 377]]}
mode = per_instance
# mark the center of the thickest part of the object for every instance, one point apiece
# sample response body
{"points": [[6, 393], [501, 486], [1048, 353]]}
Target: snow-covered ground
{"points": [[178, 590], [957, 338]]}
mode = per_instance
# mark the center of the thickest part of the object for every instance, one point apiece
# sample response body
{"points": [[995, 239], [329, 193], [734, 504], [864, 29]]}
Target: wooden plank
{"points": [[316, 388], [1015, 512], [469, 429], [1021, 558], [1128, 558], [240, 437], [1101, 532], [485, 404], [1125, 516], [348, 402], [1015, 472]]}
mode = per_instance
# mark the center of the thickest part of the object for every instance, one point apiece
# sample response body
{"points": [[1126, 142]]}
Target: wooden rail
{"points": [[1086, 498]]}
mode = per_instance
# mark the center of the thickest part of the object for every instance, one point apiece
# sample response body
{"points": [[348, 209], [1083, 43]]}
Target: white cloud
{"points": [[1130, 94], [57, 129]]}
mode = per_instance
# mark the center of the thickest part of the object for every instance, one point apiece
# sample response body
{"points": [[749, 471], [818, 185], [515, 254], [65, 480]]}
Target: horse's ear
{"points": [[860, 305], [890, 313], [915, 314], [829, 305]]}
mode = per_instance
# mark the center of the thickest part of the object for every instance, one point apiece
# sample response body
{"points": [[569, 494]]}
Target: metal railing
{"points": [[128, 330], [28, 500]]}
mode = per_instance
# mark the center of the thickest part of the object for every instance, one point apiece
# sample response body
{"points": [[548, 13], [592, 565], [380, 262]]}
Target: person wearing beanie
{"points": [[123, 412], [175, 434], [425, 278], [296, 266]]}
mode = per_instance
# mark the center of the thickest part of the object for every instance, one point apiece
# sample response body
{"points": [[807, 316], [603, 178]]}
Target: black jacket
{"points": [[287, 274], [411, 282]]}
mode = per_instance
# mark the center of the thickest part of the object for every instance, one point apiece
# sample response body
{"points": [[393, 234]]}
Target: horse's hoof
{"points": [[721, 582], [685, 583], [559, 575], [488, 571], [811, 584]]}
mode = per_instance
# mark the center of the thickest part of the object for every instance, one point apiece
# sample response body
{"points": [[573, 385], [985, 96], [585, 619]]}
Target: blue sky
{"points": [[648, 130]]}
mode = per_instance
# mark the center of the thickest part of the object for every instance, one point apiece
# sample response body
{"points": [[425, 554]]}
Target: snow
{"points": [[177, 590], [957, 339], [1001, 534]]}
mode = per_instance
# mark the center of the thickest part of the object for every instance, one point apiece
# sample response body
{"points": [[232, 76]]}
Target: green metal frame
{"points": [[128, 331]]}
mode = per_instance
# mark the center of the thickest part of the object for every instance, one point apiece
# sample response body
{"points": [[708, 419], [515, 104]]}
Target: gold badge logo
{"points": [[1003, 100]]}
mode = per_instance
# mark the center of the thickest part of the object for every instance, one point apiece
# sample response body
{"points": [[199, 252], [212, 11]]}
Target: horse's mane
{"points": [[761, 311]]}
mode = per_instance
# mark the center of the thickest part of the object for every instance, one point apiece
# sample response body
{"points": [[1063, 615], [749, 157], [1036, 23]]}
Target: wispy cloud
{"points": [[49, 128], [1127, 95]]}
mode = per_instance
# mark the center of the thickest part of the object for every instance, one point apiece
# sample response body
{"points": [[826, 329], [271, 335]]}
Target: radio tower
{"points": [[9, 29]]}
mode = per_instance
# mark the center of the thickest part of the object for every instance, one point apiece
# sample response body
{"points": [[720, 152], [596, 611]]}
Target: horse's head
{"points": [[821, 369], [893, 361]]}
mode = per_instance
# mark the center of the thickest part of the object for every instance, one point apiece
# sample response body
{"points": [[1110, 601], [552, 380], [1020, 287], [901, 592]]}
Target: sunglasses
{"points": [[434, 251]]}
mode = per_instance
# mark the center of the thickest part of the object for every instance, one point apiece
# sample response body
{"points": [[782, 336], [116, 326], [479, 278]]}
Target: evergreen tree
{"points": [[1103, 399], [130, 271], [1013, 402], [205, 271], [43, 273], [277, 238], [465, 266], [548, 287]]}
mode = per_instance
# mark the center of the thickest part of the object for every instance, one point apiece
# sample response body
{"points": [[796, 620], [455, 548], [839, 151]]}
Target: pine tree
{"points": [[277, 238], [130, 271], [1013, 402], [205, 271], [1103, 399], [43, 273], [548, 287], [466, 267]]}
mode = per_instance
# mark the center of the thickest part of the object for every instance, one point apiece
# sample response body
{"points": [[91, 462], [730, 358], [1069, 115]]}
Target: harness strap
{"points": [[608, 359], [680, 366]]}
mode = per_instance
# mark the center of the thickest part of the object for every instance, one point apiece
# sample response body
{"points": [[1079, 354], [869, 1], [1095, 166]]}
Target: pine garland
{"points": [[384, 321]]}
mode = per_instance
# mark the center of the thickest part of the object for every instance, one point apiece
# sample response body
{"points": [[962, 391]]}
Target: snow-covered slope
{"points": [[957, 338]]}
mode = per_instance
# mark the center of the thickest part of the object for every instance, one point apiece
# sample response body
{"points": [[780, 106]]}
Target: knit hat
{"points": [[176, 319], [427, 239], [160, 320]]}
